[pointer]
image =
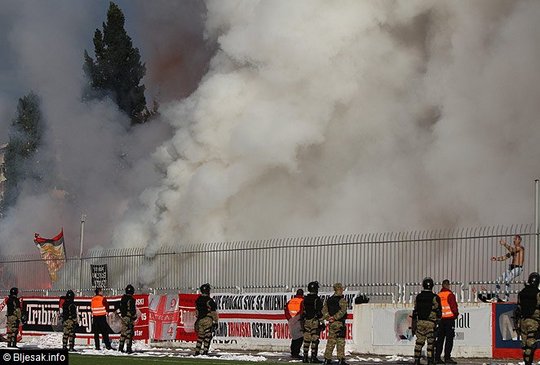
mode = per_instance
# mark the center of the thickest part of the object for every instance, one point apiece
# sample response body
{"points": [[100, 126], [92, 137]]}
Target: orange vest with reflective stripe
{"points": [[294, 306], [446, 310], [98, 309]]}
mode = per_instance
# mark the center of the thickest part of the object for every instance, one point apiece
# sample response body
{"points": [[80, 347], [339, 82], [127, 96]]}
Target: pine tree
{"points": [[24, 141], [117, 69]]}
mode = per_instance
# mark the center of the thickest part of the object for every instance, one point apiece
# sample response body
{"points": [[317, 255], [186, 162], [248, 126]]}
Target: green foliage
{"points": [[24, 141], [117, 70]]}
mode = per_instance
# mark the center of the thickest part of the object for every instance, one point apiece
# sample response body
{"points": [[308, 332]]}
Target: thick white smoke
{"points": [[95, 161], [314, 118], [321, 117]]}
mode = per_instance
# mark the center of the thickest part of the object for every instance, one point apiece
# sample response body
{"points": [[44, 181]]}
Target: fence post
{"points": [[536, 228], [83, 218]]}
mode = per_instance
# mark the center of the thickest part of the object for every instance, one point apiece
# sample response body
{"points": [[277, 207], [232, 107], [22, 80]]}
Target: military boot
{"points": [[327, 361], [305, 358], [121, 346], [342, 362], [314, 359], [417, 362], [129, 350]]}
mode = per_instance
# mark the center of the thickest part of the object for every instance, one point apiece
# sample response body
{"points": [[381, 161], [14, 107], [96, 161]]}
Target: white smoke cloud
{"points": [[314, 118], [322, 117], [98, 163]]}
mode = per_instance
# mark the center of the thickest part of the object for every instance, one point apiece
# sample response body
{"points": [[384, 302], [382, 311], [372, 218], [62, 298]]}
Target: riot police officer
{"points": [[128, 313], [528, 315], [426, 315], [207, 320], [313, 326], [70, 321], [335, 311], [14, 316]]}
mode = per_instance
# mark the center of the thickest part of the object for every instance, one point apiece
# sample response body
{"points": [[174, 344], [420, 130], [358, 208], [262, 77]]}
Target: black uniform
{"points": [[528, 313], [128, 312], [70, 321], [313, 326], [206, 322], [13, 316], [426, 315]]}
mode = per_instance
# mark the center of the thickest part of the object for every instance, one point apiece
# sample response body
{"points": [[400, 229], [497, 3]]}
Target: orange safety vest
{"points": [[98, 309], [294, 306], [446, 310]]}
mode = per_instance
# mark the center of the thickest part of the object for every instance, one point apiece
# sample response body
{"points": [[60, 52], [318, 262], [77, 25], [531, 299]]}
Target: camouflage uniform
{"points": [[206, 323], [14, 316], [128, 312], [426, 315], [528, 313], [70, 320], [312, 317], [335, 311]]}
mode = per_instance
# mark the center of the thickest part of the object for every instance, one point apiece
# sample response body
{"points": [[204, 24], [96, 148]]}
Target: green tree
{"points": [[20, 163], [117, 69]]}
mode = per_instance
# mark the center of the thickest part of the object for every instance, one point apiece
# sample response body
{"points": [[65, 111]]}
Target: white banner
{"points": [[391, 326], [385, 329], [259, 318]]}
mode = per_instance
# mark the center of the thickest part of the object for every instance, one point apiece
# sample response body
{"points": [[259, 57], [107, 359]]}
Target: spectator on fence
{"points": [[313, 325], [293, 312], [335, 312], [517, 253], [207, 320], [527, 316], [13, 316], [69, 321], [425, 317], [128, 313], [446, 330], [99, 307]]}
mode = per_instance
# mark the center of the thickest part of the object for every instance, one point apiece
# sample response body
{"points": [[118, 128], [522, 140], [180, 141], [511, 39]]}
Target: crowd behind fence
{"points": [[387, 267]]}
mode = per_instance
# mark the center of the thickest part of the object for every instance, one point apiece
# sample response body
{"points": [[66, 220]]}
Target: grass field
{"points": [[136, 360]]}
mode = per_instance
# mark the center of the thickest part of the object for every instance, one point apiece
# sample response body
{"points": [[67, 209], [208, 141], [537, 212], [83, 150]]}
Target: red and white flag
{"points": [[163, 315], [53, 252]]}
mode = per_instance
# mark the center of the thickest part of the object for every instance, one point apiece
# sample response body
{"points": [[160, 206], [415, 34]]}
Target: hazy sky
{"points": [[311, 118]]}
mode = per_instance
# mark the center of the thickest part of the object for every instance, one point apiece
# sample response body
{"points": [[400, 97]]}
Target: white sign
{"points": [[385, 328], [391, 326]]}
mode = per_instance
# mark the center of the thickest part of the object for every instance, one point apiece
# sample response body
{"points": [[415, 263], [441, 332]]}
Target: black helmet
{"points": [[313, 287], [130, 289], [14, 291], [427, 283], [70, 295], [205, 288], [534, 279]]}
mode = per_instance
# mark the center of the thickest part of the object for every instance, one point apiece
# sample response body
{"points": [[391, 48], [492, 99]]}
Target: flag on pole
{"points": [[52, 252]]}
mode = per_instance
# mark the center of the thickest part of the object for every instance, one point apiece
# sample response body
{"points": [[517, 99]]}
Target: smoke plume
{"points": [[312, 118]]}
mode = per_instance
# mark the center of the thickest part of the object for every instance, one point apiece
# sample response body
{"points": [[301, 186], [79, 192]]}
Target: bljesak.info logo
{"points": [[32, 357]]}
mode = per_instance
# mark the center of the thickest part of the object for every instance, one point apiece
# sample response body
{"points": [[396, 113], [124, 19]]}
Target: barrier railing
{"points": [[460, 255]]}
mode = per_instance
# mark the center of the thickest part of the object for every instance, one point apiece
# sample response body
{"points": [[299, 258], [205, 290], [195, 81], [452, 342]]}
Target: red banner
{"points": [[186, 320], [141, 324]]}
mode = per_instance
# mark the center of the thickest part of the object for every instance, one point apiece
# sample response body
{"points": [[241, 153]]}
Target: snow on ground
{"points": [[143, 349]]}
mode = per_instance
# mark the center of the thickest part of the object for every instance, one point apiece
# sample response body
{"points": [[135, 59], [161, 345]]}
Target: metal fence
{"points": [[385, 266]]}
